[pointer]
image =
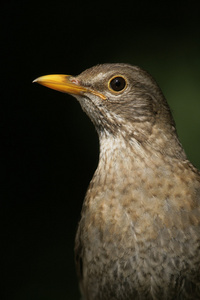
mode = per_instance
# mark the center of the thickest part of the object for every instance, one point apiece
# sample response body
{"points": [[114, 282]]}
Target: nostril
{"points": [[74, 80]]}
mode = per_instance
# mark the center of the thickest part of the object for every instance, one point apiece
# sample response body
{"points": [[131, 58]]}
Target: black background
{"points": [[49, 146]]}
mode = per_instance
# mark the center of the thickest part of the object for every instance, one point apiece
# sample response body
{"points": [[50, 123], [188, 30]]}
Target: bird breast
{"points": [[137, 196]]}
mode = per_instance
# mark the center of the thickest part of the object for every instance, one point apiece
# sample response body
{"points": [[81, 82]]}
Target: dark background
{"points": [[49, 146]]}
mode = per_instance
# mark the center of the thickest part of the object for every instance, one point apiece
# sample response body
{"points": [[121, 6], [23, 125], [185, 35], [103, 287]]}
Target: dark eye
{"points": [[117, 84]]}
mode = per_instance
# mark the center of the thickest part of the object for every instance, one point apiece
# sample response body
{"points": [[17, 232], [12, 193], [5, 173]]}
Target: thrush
{"points": [[139, 232]]}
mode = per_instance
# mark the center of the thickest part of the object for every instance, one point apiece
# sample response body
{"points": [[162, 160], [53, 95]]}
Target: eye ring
{"points": [[117, 84]]}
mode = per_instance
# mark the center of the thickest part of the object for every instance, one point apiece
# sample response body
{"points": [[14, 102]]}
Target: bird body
{"points": [[135, 232], [139, 232]]}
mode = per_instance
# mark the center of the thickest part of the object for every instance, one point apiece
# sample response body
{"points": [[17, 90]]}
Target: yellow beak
{"points": [[66, 84]]}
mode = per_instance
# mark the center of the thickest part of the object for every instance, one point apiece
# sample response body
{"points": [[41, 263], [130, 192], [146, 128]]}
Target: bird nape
{"points": [[139, 232]]}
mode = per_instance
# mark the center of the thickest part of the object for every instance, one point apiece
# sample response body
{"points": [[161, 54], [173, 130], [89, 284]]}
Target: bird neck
{"points": [[120, 157], [164, 140], [160, 141]]}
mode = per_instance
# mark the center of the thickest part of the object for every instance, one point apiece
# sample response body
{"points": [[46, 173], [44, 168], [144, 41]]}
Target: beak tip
{"points": [[35, 80]]}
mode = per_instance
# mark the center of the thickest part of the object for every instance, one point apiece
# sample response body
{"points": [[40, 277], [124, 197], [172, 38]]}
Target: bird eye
{"points": [[117, 83]]}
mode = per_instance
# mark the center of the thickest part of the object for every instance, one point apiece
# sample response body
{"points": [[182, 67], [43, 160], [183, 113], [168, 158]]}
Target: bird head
{"points": [[118, 98]]}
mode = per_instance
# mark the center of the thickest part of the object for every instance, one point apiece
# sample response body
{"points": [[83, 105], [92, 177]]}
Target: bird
{"points": [[139, 232]]}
